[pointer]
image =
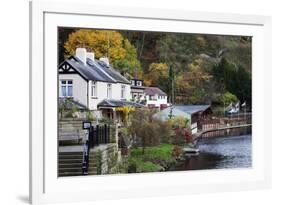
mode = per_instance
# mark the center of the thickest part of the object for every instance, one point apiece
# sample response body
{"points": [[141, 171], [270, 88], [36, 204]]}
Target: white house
{"points": [[155, 97], [93, 83], [137, 90]]}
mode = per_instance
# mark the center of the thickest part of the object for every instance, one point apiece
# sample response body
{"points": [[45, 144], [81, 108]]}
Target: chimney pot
{"points": [[91, 56], [81, 53], [105, 60]]}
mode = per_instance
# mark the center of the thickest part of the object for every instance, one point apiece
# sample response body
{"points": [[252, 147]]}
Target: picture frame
{"points": [[46, 187]]}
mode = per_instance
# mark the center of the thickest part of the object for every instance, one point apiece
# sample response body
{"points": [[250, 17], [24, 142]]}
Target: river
{"points": [[220, 153]]}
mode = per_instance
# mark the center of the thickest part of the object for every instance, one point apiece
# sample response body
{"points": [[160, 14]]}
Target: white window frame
{"points": [[109, 91], [133, 82], [123, 91], [94, 90], [67, 85], [139, 83]]}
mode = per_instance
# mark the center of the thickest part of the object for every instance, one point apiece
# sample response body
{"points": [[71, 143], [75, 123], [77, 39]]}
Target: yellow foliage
{"points": [[157, 72], [101, 42], [197, 73], [126, 110]]}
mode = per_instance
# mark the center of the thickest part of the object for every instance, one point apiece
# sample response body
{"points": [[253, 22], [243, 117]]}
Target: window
{"points": [[139, 83], [152, 97], [94, 89], [109, 90], [132, 82], [66, 88], [123, 91]]}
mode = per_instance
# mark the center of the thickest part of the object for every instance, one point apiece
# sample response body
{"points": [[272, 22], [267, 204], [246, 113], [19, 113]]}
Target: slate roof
{"points": [[171, 112], [96, 70], [118, 103], [154, 91], [191, 109], [116, 75]]}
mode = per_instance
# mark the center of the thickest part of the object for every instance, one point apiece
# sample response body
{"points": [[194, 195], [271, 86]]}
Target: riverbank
{"points": [[156, 158]]}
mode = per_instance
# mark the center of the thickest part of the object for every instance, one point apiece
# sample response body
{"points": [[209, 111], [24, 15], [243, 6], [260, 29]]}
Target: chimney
{"points": [[91, 56], [105, 60], [81, 53]]}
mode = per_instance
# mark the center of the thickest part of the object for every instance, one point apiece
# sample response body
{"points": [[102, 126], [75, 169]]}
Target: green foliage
{"points": [[90, 116], [106, 120], [129, 63], [179, 121], [234, 79], [227, 98], [67, 108], [157, 158]]}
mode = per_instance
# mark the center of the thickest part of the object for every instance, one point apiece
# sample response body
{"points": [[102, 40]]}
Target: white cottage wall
{"points": [[102, 93], [79, 87]]}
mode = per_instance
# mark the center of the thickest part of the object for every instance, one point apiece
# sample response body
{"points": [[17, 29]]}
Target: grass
{"points": [[157, 158]]}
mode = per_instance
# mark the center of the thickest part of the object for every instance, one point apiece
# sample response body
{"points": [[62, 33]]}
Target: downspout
{"points": [[88, 84]]}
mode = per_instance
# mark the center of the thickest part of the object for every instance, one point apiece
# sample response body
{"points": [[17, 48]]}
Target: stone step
{"points": [[70, 156], [70, 165], [70, 153], [69, 161], [71, 169]]}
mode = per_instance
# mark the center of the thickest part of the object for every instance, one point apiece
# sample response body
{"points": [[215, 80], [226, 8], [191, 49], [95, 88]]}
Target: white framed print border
{"points": [[46, 187]]}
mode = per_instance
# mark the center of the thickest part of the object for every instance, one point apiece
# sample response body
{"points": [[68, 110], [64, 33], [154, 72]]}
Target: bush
{"points": [[182, 136], [227, 98], [90, 116]]}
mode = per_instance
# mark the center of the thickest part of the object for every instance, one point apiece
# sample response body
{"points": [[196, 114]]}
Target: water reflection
{"points": [[220, 152]]}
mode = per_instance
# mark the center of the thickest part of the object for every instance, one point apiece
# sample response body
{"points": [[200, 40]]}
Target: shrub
{"points": [[90, 116]]}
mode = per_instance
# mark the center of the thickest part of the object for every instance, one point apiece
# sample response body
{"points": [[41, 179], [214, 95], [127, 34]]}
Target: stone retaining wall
{"points": [[103, 159]]}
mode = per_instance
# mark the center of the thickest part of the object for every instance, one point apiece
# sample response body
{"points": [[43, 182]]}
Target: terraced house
{"points": [[93, 84]]}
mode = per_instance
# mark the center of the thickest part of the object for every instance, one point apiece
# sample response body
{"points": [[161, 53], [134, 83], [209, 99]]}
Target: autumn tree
{"points": [[144, 128], [157, 72], [148, 130], [121, 53]]}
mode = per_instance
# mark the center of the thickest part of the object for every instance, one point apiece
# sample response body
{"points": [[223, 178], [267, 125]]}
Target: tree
{"points": [[227, 98], [158, 75], [234, 79], [144, 128], [148, 130], [194, 86], [157, 72], [112, 44]]}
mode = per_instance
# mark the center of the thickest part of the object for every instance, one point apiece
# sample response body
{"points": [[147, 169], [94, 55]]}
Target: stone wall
{"points": [[103, 159]]}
